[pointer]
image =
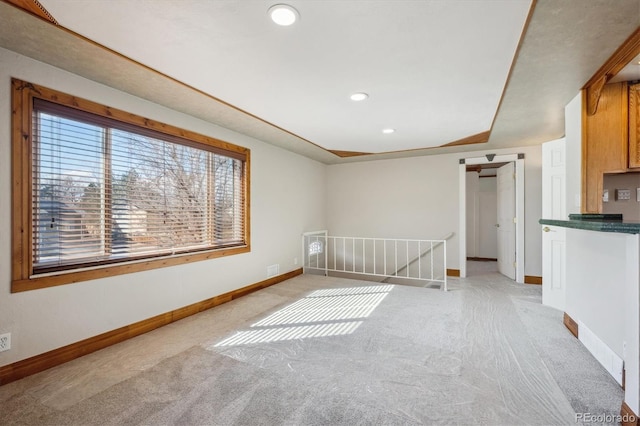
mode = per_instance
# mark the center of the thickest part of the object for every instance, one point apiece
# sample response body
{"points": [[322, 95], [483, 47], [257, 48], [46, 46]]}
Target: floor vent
{"points": [[605, 356]]}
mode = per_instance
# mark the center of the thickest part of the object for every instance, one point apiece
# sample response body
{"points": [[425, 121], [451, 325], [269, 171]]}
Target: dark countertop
{"points": [[596, 222]]}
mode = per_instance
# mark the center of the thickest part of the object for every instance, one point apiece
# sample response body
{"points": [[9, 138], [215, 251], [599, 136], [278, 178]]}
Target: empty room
{"points": [[311, 212]]}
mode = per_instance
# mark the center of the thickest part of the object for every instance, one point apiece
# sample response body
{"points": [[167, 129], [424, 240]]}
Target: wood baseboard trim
{"points": [[26, 367], [628, 417], [482, 259], [453, 272], [571, 325], [532, 279]]}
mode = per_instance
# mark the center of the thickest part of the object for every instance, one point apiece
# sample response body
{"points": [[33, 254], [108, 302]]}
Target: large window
{"points": [[102, 192]]}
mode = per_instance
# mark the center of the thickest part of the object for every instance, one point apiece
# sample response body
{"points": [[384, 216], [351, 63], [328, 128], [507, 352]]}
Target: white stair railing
{"points": [[411, 259], [429, 250]]}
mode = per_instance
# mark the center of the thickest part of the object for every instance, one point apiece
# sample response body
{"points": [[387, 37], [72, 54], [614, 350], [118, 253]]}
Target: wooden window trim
{"points": [[23, 95]]}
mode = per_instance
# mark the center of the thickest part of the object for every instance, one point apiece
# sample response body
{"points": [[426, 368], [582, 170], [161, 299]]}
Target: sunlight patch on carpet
{"points": [[322, 313]]}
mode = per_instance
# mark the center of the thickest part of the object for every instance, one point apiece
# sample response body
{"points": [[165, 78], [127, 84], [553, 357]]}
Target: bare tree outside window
{"points": [[138, 194]]}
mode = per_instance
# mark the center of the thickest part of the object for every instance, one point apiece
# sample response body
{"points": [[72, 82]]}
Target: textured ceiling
{"points": [[434, 70], [565, 42]]}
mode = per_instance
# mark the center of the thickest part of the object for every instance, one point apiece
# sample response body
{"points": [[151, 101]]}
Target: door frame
{"points": [[518, 160]]}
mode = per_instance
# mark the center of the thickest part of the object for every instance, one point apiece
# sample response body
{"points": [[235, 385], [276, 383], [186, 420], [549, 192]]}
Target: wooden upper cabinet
{"points": [[605, 143], [634, 126]]}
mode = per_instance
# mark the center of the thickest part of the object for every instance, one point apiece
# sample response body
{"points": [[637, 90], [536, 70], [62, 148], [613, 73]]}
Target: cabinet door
{"points": [[634, 126], [605, 145]]}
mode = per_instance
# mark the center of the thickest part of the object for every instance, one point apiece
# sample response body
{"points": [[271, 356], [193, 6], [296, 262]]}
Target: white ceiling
{"points": [[434, 70], [225, 62]]}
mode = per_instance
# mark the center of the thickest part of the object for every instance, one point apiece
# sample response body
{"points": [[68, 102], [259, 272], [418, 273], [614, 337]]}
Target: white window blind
{"points": [[105, 192]]}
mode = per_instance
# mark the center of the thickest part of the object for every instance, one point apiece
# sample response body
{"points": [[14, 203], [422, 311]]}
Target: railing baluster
{"points": [[353, 255], [364, 257], [419, 260], [395, 249], [326, 254], [335, 260], [344, 254], [375, 270], [431, 253], [407, 258], [384, 247], [444, 262]]}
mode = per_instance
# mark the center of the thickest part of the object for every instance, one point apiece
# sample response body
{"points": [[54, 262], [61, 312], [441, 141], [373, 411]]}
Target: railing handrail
{"points": [[380, 239], [314, 232]]}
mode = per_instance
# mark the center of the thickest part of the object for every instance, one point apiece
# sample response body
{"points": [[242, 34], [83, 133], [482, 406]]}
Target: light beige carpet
{"points": [[330, 351]]}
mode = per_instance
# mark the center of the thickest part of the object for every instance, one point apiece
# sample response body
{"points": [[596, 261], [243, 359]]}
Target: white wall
{"points": [[487, 217], [418, 198], [482, 208], [573, 137], [287, 198]]}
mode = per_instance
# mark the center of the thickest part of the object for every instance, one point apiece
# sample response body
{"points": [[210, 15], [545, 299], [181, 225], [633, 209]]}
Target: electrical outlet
{"points": [[623, 194], [295, 260], [5, 342]]}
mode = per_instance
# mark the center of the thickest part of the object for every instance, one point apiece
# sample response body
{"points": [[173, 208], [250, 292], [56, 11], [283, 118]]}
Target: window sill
{"points": [[70, 277]]}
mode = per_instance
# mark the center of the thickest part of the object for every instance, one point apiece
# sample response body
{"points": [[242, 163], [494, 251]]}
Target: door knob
{"points": [[546, 229], [497, 225]]}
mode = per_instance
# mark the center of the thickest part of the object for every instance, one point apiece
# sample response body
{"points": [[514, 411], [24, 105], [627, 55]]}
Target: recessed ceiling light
{"points": [[388, 131], [283, 14], [360, 96]]}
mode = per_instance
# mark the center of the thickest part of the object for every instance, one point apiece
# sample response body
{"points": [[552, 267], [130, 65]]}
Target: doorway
{"points": [[510, 218], [482, 213]]}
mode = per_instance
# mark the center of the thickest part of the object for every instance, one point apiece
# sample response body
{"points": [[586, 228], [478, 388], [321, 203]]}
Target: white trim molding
{"points": [[518, 160]]}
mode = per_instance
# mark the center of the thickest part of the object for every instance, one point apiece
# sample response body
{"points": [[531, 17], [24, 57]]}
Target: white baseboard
{"points": [[600, 351]]}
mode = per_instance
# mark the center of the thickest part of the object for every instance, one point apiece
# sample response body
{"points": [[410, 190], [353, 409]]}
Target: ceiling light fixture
{"points": [[360, 96], [388, 131], [283, 14]]}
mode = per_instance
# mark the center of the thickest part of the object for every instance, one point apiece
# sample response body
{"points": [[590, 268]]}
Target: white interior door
{"points": [[506, 194], [554, 206]]}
